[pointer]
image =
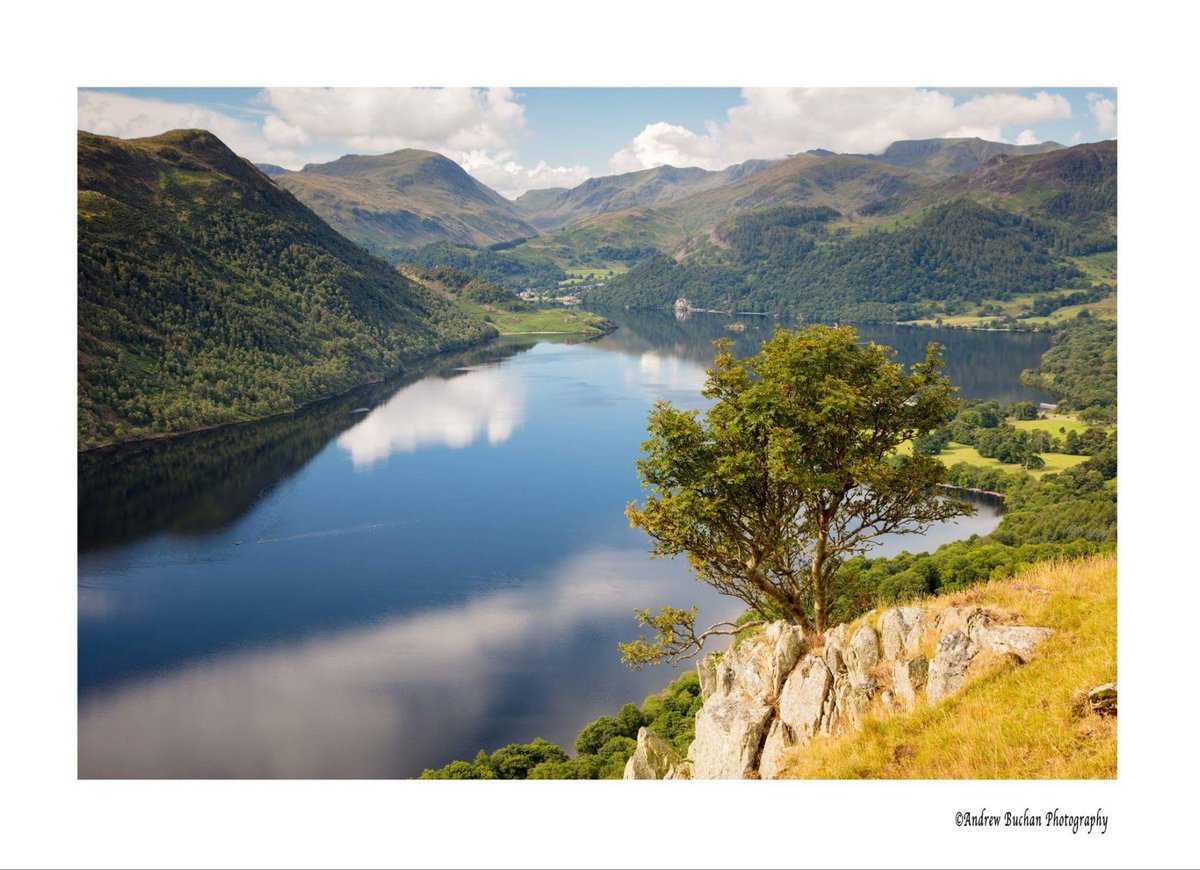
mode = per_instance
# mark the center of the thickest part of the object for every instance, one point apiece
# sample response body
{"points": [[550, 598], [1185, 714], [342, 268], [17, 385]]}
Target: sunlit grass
{"points": [[1012, 721]]}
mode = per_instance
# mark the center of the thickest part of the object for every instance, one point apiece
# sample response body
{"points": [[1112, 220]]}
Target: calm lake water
{"points": [[412, 572]]}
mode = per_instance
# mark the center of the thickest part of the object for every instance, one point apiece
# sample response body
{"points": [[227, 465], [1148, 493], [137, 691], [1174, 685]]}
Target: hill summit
{"points": [[209, 295]]}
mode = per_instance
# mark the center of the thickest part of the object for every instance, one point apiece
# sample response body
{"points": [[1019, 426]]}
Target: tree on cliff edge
{"points": [[793, 469]]}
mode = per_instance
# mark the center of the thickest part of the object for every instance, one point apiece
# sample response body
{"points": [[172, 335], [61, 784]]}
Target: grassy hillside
{"points": [[1012, 721], [844, 183], [405, 199], [1072, 190], [946, 157], [551, 209], [208, 295]]}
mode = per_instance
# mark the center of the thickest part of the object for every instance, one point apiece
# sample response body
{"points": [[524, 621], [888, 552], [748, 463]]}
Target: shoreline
{"points": [[183, 433], [973, 489], [610, 327]]}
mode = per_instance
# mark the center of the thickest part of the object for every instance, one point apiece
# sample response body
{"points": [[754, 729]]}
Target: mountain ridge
{"points": [[208, 294], [405, 199]]}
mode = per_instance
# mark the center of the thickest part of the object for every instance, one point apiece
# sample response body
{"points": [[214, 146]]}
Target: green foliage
{"points": [[1081, 369], [469, 288], [1063, 516], [602, 747], [504, 270], [787, 261], [789, 472], [207, 295]]}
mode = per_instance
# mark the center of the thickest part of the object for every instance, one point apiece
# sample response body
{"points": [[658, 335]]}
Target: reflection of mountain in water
{"points": [[198, 483], [984, 365]]}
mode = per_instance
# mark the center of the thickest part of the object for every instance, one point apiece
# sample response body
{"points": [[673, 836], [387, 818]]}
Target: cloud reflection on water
{"points": [[373, 701], [455, 412]]}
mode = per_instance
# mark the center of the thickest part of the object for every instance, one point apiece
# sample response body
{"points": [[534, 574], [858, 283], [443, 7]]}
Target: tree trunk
{"points": [[818, 585]]}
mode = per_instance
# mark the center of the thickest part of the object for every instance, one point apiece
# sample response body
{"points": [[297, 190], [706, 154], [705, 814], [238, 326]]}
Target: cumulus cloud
{"points": [[131, 117], [374, 120], [478, 128], [775, 122], [511, 179], [1027, 137], [1104, 110]]}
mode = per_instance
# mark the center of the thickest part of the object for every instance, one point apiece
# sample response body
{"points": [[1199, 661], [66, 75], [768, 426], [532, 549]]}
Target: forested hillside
{"points": [[788, 261], [209, 295]]}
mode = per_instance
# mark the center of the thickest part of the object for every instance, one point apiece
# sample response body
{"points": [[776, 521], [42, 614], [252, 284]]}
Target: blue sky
{"points": [[515, 139]]}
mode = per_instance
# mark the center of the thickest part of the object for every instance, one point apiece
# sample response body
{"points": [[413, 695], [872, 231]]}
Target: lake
{"points": [[411, 572]]}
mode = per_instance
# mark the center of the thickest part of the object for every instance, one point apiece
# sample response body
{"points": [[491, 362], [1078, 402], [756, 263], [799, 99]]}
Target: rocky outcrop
{"points": [[655, 758], [909, 677], [900, 631], [948, 668], [769, 694], [740, 693], [863, 652]]}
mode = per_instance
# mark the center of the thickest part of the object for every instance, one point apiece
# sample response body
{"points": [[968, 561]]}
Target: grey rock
{"points": [[706, 668], [743, 687], [1018, 640], [834, 660], [863, 652], [777, 743], [802, 701], [838, 637], [729, 731], [761, 664], [1103, 699], [900, 631], [654, 758], [955, 651], [908, 678]]}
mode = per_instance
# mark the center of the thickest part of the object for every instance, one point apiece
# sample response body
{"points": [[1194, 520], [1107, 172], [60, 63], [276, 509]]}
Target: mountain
{"points": [[946, 157], [209, 295], [843, 182], [405, 199], [981, 245], [555, 207], [1072, 189], [271, 169]]}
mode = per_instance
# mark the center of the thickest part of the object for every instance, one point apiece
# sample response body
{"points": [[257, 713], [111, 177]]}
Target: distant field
{"points": [[1055, 462], [1057, 425], [582, 274], [556, 321]]}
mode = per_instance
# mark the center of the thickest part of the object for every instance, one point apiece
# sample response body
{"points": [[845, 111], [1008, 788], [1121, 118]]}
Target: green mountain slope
{"points": [[946, 157], [209, 295], [1008, 238], [845, 183], [556, 207], [405, 199]]}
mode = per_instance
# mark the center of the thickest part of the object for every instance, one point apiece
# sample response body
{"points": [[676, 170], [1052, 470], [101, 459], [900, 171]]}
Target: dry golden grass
{"points": [[1012, 721]]}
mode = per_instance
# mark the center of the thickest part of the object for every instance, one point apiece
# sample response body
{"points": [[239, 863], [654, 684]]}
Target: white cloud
{"points": [[455, 412], [1076, 137], [374, 120], [480, 129], [1027, 137], [668, 144], [509, 178], [1104, 110], [775, 122]]}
